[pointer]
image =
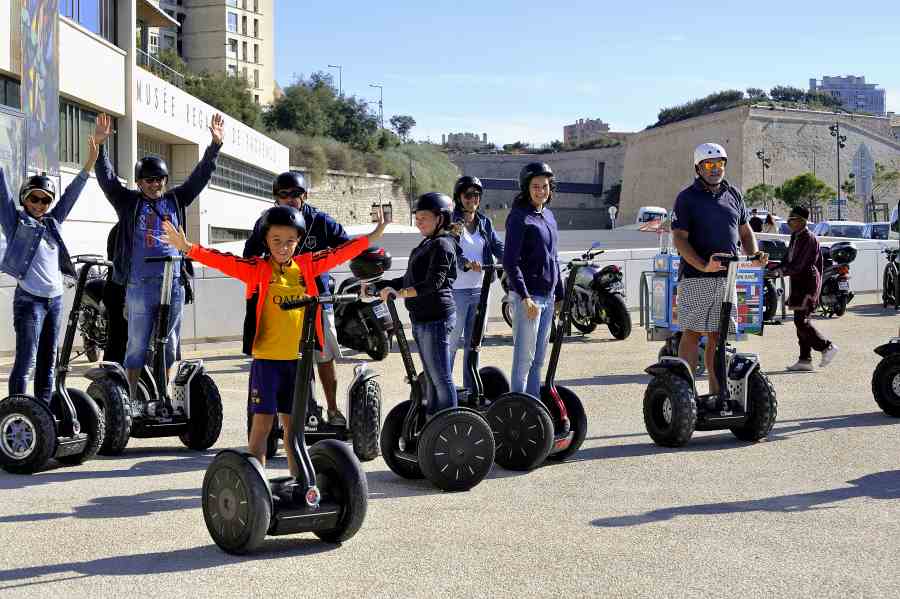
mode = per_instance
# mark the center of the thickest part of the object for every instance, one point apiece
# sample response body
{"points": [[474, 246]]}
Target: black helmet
{"points": [[437, 203], [151, 166], [531, 170], [464, 183], [289, 180], [37, 183], [287, 216]]}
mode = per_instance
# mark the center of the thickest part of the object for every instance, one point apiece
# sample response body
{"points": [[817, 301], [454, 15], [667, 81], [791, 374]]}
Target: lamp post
{"points": [[340, 77], [380, 103], [765, 161], [839, 143]]}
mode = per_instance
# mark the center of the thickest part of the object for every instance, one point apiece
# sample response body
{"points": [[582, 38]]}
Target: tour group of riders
{"points": [[294, 245]]}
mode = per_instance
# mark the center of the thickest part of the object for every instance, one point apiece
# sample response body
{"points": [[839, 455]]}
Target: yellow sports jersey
{"points": [[278, 337]]}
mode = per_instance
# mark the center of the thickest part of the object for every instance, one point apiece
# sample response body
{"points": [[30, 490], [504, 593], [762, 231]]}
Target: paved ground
{"points": [[813, 511]]}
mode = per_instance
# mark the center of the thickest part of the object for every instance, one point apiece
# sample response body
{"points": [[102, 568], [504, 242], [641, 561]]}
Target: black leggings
{"points": [[809, 338]]}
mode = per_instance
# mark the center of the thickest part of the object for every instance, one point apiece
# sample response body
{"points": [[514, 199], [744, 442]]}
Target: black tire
{"points": [[507, 310], [493, 382], [670, 410], [583, 326], [840, 308], [763, 405], [618, 319], [377, 346], [391, 431], [340, 478], [27, 434], [886, 393], [456, 449], [112, 399], [205, 423], [274, 435], [92, 424], [365, 420], [770, 300], [577, 420], [887, 288], [523, 431], [237, 506], [91, 352]]}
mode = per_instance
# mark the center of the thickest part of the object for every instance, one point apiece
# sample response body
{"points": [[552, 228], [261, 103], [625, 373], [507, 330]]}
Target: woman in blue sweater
{"points": [[532, 269]]}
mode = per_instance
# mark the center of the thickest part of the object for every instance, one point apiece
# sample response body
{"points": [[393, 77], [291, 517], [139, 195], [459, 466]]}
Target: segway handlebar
{"points": [[342, 298], [92, 259], [725, 259], [150, 259]]}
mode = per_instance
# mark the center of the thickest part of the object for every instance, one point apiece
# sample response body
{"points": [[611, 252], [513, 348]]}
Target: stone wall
{"points": [[348, 197]]}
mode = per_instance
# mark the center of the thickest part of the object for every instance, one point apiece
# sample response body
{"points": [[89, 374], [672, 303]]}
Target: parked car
{"points": [[784, 229], [878, 230], [840, 228]]}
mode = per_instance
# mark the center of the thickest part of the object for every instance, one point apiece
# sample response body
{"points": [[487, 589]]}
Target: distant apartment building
{"points": [[234, 36], [467, 142], [584, 130], [855, 94]]}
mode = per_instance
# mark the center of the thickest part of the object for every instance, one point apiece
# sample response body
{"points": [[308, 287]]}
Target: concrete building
{"points": [[584, 130], [855, 94], [232, 36], [465, 142]]}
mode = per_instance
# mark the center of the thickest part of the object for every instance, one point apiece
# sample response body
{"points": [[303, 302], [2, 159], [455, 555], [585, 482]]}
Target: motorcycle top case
{"points": [[776, 248], [372, 263], [843, 252]]}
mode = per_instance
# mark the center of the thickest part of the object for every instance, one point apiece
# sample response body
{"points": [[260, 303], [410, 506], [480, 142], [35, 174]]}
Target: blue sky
{"points": [[522, 70]]}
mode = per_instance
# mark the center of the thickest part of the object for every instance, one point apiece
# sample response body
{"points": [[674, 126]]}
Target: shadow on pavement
{"points": [[879, 485], [121, 506], [872, 310], [607, 379]]}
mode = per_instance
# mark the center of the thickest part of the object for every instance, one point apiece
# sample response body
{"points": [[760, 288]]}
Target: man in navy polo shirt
{"points": [[709, 219]]}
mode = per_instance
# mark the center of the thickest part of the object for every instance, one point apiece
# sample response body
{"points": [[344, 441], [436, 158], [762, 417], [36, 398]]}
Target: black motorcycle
{"points": [[92, 319], [772, 295], [365, 325], [836, 292]]}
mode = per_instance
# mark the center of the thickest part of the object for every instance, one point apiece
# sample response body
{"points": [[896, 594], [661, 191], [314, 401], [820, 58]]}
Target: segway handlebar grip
{"points": [[92, 259], [337, 298], [151, 259], [296, 304]]}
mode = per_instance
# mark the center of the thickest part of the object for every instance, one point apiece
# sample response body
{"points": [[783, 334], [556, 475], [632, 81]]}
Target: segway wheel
{"points": [[237, 503], [341, 479], [391, 431], [205, 423], [112, 399], [577, 420], [92, 424], [670, 410], [274, 435], [523, 431], [886, 385], [456, 449], [763, 406], [365, 419], [493, 382], [27, 434]]}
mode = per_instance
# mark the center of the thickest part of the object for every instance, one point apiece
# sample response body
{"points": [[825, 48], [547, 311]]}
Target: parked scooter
{"points": [[71, 428], [365, 325], [890, 280], [836, 292]]}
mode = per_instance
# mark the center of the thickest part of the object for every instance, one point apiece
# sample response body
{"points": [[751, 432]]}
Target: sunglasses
{"points": [[42, 200], [711, 165], [472, 195], [290, 193], [154, 180]]}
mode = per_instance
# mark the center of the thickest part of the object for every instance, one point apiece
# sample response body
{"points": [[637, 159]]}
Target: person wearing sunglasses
{"points": [[141, 213], [478, 245], [322, 232], [37, 258], [709, 219]]}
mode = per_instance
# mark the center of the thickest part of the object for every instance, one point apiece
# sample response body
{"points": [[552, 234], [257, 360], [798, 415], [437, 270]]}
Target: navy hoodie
{"points": [[529, 253]]}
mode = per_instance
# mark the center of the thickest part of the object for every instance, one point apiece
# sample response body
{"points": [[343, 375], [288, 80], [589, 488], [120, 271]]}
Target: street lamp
{"points": [[380, 103], [340, 77], [766, 162], [840, 143]]}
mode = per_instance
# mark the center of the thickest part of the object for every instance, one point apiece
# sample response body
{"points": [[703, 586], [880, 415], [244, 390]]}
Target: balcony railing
{"points": [[162, 71]]}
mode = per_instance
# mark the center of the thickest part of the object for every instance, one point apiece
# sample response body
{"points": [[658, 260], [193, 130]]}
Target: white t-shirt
{"points": [[472, 245]]}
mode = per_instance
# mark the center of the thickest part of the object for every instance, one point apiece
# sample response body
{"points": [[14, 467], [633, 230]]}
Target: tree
{"points": [[756, 94], [805, 190], [516, 147], [787, 93], [849, 187], [826, 100], [885, 182], [759, 195], [229, 94], [402, 124]]}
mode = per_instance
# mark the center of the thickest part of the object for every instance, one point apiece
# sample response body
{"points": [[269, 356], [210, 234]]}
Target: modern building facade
{"points": [[853, 91]]}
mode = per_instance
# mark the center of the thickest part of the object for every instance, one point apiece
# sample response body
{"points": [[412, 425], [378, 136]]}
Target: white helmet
{"points": [[708, 150]]}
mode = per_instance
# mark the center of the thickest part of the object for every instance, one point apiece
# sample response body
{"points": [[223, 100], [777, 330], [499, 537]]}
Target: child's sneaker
{"points": [[801, 366], [828, 355], [335, 418]]}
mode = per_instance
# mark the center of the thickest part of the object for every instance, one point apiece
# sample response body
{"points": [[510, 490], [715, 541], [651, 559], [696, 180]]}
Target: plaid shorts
{"points": [[700, 303]]}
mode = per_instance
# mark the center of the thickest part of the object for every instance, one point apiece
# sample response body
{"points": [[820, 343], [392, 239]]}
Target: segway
{"points": [[886, 378], [193, 410], [454, 448], [71, 428], [746, 404], [330, 495], [522, 424]]}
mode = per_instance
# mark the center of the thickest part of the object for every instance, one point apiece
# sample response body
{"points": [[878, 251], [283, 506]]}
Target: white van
{"points": [[650, 213]]}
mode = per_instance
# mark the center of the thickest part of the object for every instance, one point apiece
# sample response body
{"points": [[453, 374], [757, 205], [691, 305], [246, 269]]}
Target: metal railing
{"points": [[159, 69]]}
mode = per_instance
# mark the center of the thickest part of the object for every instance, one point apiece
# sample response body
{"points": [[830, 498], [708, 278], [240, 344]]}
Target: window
{"points": [[232, 47], [9, 92], [255, 27], [76, 124], [244, 4], [256, 78], [244, 25], [244, 71], [242, 177], [224, 235], [256, 53], [147, 146], [232, 3], [98, 16], [244, 48], [231, 70], [255, 5], [256, 98], [232, 22]]}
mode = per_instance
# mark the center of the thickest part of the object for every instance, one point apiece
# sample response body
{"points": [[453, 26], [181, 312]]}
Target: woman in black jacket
{"points": [[426, 288]]}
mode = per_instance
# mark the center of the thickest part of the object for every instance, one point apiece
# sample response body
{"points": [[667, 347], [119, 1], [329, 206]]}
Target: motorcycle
{"points": [[777, 251], [365, 325], [92, 319], [836, 292]]}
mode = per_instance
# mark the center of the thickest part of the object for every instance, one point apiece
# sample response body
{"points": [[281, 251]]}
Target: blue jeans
{"points": [[433, 340], [466, 301], [36, 321], [529, 343], [142, 306]]}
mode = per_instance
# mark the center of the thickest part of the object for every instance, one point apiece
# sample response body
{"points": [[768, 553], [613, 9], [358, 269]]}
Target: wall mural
{"points": [[40, 83]]}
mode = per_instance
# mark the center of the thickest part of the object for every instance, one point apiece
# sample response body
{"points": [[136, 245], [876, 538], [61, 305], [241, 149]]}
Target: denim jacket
{"points": [[493, 247], [24, 233]]}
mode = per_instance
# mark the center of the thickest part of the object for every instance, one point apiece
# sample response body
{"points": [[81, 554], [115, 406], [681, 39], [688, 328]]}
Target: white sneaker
{"points": [[828, 355], [800, 366]]}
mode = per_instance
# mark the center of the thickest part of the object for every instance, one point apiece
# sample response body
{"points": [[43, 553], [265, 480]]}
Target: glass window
{"points": [[76, 124], [10, 95], [255, 27], [230, 3], [244, 48], [224, 235], [98, 16], [232, 22], [256, 78], [232, 47], [242, 177], [244, 25], [256, 53], [232, 70]]}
